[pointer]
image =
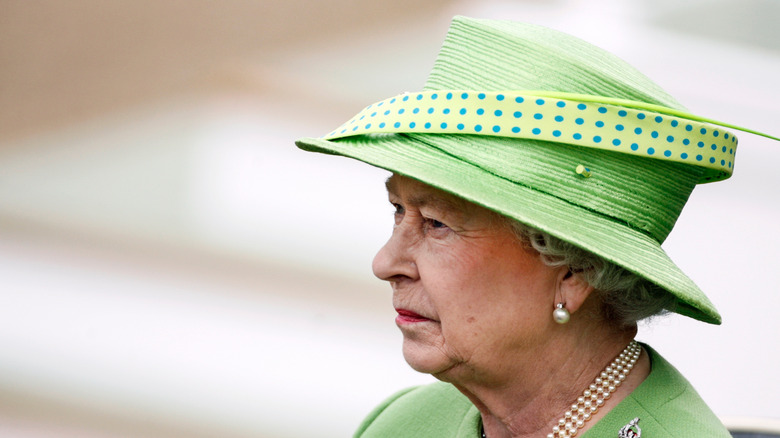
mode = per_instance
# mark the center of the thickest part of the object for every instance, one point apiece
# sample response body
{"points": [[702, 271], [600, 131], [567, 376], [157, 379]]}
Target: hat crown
{"points": [[504, 55]]}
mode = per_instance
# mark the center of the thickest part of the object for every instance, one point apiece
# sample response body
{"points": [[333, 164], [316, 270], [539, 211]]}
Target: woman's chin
{"points": [[425, 358]]}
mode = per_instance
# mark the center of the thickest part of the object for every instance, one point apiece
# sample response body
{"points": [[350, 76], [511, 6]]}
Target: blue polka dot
{"points": [[427, 125], [397, 124], [616, 142], [412, 125], [460, 126], [500, 97], [405, 98], [478, 128], [382, 125], [498, 113], [515, 129], [715, 133], [667, 153], [462, 111], [387, 112], [724, 148], [729, 164], [416, 110], [481, 96], [496, 128], [373, 114], [419, 97], [434, 96], [355, 128], [722, 162], [519, 99], [579, 121], [634, 146], [659, 119], [401, 111], [540, 101], [597, 139], [557, 133], [726, 136], [343, 131], [602, 110], [518, 114], [669, 138], [581, 106], [538, 116], [650, 151], [536, 131], [712, 160], [368, 126], [362, 117], [443, 126], [430, 110], [675, 123], [638, 131], [699, 157], [619, 127], [449, 96], [446, 111], [689, 128], [684, 156], [640, 116], [654, 134], [561, 104], [731, 151], [558, 118], [480, 112], [599, 124], [392, 100], [464, 96], [700, 144], [686, 142], [703, 131], [622, 113], [714, 146], [577, 136]]}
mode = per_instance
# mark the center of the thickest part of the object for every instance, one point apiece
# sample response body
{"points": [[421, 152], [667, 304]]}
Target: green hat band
{"points": [[529, 115]]}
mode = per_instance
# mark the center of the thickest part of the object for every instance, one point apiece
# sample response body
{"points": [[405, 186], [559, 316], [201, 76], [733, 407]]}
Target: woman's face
{"points": [[470, 297]]}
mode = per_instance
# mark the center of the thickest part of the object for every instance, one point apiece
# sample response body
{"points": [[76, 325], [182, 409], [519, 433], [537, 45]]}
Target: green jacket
{"points": [[666, 404]]}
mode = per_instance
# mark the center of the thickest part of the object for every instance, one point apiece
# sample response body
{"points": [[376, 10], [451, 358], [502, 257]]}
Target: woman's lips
{"points": [[409, 317]]}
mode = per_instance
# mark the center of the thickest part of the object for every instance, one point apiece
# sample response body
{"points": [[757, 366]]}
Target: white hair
{"points": [[626, 297]]}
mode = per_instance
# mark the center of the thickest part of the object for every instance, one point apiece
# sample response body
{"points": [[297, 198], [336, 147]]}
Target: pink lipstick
{"points": [[408, 317]]}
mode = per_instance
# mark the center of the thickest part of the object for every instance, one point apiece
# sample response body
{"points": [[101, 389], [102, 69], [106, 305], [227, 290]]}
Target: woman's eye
{"points": [[398, 214], [437, 224]]}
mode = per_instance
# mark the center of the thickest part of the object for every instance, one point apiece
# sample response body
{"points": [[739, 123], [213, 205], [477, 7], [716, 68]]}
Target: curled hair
{"points": [[626, 297]]}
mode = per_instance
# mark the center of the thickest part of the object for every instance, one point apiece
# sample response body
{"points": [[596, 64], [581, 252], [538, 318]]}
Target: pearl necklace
{"points": [[597, 393]]}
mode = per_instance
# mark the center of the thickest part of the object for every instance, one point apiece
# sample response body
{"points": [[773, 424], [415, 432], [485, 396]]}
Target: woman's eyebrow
{"points": [[428, 199]]}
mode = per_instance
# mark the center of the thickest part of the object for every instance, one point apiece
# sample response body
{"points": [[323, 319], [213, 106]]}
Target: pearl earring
{"points": [[560, 314]]}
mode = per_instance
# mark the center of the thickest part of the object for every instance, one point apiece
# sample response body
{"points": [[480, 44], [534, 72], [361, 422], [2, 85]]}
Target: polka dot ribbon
{"points": [[624, 126]]}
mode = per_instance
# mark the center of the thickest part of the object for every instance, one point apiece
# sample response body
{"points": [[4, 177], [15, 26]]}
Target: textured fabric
{"points": [[666, 404]]}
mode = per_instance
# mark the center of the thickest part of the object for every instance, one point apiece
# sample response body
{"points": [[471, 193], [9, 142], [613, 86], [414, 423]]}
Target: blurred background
{"points": [[172, 266]]}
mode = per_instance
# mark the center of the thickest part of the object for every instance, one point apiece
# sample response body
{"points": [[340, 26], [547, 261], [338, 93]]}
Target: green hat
{"points": [[601, 157]]}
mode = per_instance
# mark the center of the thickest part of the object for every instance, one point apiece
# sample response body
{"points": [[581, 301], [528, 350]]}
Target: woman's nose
{"points": [[395, 261]]}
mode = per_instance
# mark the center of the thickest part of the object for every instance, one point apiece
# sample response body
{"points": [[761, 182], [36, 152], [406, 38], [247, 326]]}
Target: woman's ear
{"points": [[573, 290]]}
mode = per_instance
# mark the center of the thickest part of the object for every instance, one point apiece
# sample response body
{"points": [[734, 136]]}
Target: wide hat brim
{"points": [[411, 156], [622, 213]]}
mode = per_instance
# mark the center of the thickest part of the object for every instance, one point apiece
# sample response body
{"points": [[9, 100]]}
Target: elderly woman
{"points": [[534, 180]]}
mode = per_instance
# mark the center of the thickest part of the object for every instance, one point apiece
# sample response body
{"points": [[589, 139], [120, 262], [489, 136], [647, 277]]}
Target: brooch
{"points": [[631, 430]]}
